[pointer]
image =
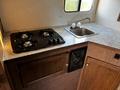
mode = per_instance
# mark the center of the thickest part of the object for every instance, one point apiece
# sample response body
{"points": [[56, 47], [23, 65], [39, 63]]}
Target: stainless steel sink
{"points": [[80, 32]]}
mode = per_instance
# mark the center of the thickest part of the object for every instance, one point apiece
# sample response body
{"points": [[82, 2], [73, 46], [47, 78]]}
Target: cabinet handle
{"points": [[87, 65], [117, 56], [66, 65]]}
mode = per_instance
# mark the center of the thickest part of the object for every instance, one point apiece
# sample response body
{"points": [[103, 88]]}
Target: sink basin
{"points": [[80, 32]]}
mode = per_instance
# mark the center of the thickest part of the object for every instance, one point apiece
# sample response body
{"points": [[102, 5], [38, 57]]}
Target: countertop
{"points": [[105, 36]]}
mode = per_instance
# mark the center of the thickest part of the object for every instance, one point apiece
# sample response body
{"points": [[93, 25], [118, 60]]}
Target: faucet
{"points": [[87, 18], [78, 23]]}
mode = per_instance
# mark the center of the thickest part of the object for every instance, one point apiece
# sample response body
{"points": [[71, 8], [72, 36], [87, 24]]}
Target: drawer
{"points": [[111, 58], [97, 51], [103, 53]]}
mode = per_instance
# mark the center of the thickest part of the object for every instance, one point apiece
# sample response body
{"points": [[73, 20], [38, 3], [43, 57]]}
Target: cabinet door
{"points": [[38, 69], [98, 75], [22, 74]]}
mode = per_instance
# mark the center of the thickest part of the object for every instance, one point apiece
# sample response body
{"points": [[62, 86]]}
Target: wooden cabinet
{"points": [[101, 70], [43, 71], [37, 69], [27, 72], [98, 75], [104, 53]]}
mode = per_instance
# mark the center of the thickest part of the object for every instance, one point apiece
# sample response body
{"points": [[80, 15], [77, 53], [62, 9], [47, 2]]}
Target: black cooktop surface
{"points": [[33, 40]]}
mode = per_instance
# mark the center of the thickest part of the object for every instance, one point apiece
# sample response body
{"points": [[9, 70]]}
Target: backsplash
{"points": [[30, 14]]}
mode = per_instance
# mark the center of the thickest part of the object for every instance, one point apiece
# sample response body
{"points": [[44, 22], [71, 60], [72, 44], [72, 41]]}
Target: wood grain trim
{"points": [[93, 74], [103, 53]]}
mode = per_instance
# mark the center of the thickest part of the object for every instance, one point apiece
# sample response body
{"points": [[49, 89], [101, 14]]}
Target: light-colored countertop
{"points": [[105, 36]]}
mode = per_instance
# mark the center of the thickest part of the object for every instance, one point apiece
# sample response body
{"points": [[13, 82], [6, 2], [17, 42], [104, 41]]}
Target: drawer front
{"points": [[114, 57], [97, 51], [103, 53], [37, 69]]}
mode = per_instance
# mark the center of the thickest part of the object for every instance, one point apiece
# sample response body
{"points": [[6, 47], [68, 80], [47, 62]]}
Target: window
{"points": [[78, 5], [86, 5], [72, 5]]}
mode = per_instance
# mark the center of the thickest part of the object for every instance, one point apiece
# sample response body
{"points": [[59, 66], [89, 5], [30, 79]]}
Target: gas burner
{"points": [[24, 36], [27, 44], [45, 33], [33, 40]]}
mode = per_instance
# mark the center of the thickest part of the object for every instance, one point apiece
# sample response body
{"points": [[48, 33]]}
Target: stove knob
{"points": [[27, 44]]}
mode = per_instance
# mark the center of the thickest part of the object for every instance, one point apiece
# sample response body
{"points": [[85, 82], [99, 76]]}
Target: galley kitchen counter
{"points": [[105, 36]]}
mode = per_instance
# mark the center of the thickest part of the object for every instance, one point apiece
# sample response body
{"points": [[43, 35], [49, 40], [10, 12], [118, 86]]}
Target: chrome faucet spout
{"points": [[87, 18]]}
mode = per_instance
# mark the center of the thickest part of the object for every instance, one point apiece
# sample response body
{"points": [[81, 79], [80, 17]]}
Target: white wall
{"points": [[30, 14], [107, 13]]}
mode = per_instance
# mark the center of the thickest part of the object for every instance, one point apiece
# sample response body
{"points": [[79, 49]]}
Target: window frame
{"points": [[79, 5], [93, 6], [90, 8]]}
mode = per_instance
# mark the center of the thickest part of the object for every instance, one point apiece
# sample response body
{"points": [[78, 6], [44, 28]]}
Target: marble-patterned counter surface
{"points": [[104, 36]]}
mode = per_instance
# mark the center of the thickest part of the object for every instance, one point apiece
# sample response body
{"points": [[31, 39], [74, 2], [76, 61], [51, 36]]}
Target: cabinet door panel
{"points": [[97, 51], [37, 69], [98, 75], [22, 74]]}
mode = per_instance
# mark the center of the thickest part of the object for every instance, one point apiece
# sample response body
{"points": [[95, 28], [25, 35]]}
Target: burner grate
{"points": [[33, 40]]}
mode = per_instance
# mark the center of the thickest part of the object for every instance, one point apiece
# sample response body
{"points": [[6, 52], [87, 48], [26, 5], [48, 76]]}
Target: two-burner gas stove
{"points": [[33, 40]]}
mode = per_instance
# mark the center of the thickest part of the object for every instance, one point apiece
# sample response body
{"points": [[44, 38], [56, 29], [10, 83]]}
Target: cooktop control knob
{"points": [[27, 44]]}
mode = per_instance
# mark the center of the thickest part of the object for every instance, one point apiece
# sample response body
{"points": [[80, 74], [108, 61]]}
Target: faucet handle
{"points": [[73, 25], [79, 24]]}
